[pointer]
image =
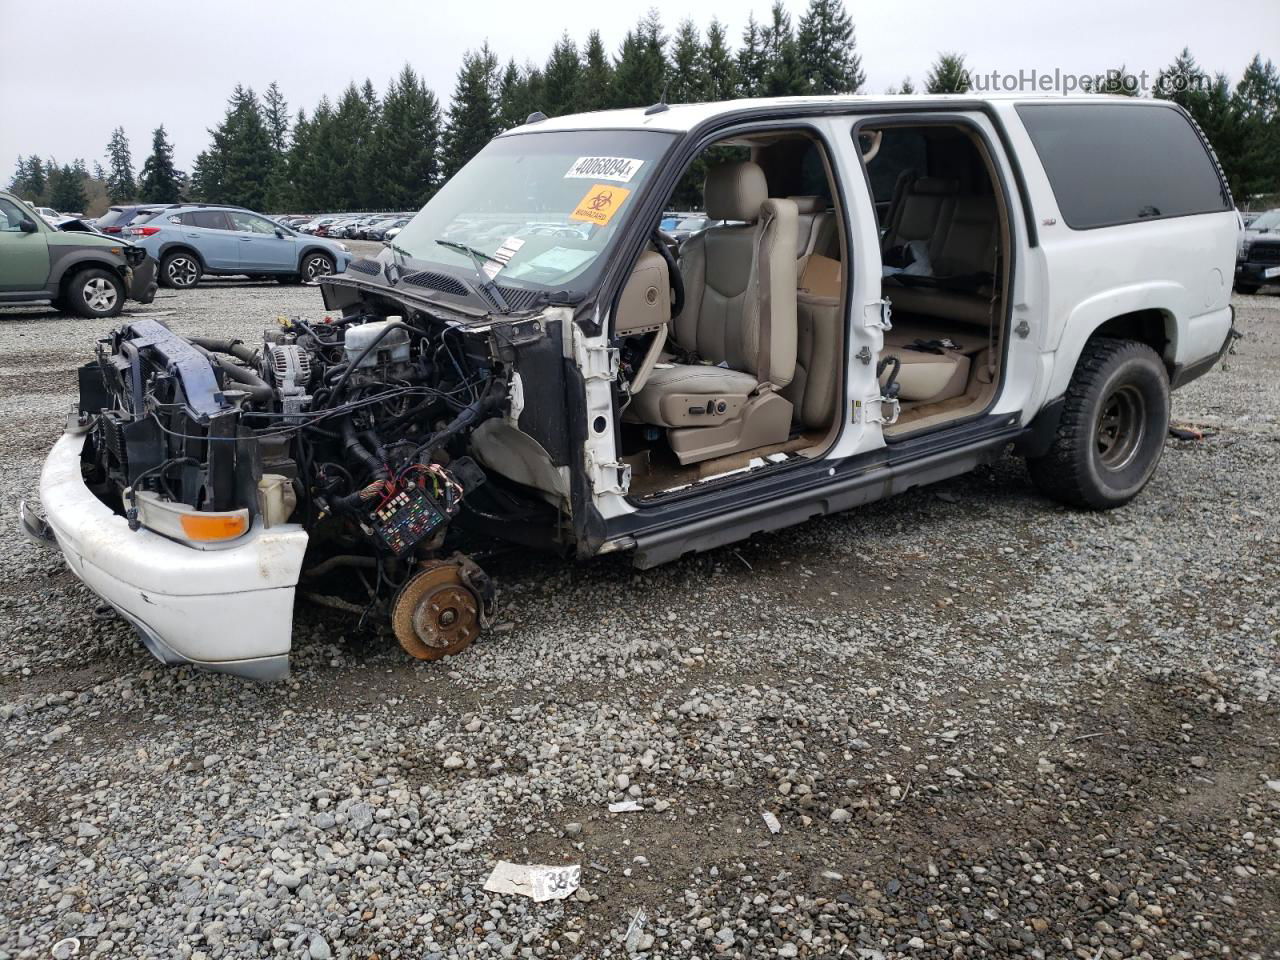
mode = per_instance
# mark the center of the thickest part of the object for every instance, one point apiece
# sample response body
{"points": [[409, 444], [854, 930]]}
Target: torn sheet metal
{"points": [[538, 881]]}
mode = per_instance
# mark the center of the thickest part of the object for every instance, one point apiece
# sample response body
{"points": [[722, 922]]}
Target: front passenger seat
{"points": [[735, 338]]}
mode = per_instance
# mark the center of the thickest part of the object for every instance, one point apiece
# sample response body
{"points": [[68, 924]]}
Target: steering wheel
{"points": [[667, 245]]}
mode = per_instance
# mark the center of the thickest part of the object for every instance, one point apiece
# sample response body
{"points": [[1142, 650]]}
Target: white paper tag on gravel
{"points": [[625, 806], [534, 880]]}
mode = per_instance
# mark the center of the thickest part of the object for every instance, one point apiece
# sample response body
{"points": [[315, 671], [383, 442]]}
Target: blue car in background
{"points": [[191, 240]]}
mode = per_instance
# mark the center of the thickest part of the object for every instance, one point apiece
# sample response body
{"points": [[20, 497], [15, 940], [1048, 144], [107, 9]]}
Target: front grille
{"points": [[438, 281], [365, 265], [1265, 253]]}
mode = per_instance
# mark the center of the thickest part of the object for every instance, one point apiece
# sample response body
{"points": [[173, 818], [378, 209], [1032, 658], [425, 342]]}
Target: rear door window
{"points": [[209, 219], [1114, 163]]}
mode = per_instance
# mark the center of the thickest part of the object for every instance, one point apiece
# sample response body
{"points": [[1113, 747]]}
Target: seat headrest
{"points": [[809, 204], [735, 191], [934, 186]]}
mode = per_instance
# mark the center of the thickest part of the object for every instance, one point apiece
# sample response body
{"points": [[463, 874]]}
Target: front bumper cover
{"points": [[228, 609]]}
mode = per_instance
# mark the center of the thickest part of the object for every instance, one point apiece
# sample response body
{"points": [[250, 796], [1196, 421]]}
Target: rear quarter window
{"points": [[1114, 163]]}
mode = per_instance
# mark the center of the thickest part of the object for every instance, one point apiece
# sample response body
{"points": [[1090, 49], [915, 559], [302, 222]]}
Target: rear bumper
{"points": [[228, 609], [1259, 273]]}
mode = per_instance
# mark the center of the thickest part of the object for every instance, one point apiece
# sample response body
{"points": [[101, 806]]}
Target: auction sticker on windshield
{"points": [[600, 204], [617, 169]]}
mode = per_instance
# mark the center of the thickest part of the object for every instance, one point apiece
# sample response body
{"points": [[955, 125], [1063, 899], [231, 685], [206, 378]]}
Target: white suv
{"points": [[895, 290]]}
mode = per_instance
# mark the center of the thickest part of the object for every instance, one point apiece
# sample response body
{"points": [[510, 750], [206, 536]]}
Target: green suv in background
{"points": [[78, 271]]}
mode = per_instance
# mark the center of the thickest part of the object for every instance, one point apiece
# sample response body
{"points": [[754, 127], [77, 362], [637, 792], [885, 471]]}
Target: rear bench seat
{"points": [[935, 359]]}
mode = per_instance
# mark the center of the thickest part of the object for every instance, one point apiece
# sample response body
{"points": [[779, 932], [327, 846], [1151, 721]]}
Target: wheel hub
{"points": [[436, 614], [1121, 425]]}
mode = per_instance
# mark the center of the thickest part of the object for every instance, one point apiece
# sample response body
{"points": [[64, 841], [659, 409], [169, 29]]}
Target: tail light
{"points": [[143, 231], [110, 229]]}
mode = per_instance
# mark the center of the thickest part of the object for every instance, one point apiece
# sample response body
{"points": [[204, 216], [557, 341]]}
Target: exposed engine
{"points": [[354, 427]]}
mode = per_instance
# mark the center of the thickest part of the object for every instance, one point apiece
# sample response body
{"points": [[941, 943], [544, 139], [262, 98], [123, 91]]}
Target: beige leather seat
{"points": [[815, 230], [738, 321], [920, 209], [935, 359]]}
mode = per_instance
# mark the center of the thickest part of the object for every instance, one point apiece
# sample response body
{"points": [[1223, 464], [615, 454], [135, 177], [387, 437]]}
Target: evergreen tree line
{"points": [[392, 151]]}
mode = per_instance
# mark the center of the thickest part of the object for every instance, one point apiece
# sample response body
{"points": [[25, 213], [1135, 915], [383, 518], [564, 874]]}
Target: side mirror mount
{"points": [[27, 225]]}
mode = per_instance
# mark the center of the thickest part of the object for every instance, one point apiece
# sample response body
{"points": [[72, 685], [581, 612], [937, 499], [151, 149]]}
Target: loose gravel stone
{"points": [[986, 724]]}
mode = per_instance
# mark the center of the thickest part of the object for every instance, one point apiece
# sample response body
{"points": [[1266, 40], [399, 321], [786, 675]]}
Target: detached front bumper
{"points": [[228, 609], [142, 284]]}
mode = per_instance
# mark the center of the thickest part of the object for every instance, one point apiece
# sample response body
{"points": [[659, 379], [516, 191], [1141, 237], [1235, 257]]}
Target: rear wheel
{"points": [[1114, 420], [316, 265], [95, 293], [180, 270]]}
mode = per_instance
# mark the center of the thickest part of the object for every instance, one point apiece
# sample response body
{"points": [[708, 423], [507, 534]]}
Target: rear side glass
{"points": [[210, 219], [1114, 163]]}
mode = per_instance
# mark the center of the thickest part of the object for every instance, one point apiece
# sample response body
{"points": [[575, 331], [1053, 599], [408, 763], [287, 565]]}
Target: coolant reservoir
{"points": [[392, 348]]}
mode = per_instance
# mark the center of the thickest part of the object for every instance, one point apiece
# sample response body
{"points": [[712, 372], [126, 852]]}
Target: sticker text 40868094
{"points": [[617, 169]]}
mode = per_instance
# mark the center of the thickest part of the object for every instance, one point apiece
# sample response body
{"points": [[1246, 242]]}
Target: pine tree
{"points": [[29, 180], [640, 72], [562, 78], [347, 147], [1256, 102], [66, 189], [907, 86], [473, 115], [721, 70], [296, 191], [513, 97], [159, 180], [275, 112], [596, 79], [120, 182], [783, 76], [405, 167], [1117, 82], [752, 64], [688, 83], [827, 50], [948, 74], [238, 161]]}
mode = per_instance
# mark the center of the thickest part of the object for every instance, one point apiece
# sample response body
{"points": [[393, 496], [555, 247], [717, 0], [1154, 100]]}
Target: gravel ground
{"points": [[985, 725]]}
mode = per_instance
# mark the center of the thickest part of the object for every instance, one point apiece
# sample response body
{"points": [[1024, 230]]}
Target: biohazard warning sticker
{"points": [[600, 204], [617, 169]]}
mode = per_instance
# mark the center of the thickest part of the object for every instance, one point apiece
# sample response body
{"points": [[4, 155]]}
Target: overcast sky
{"points": [[79, 69]]}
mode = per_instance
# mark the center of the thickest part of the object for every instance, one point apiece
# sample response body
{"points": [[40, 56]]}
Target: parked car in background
{"points": [[379, 230], [1259, 255], [394, 232], [78, 271], [117, 218], [193, 240]]}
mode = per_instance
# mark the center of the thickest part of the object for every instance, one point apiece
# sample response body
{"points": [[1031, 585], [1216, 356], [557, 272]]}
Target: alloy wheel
{"points": [[183, 271], [317, 266], [100, 294]]}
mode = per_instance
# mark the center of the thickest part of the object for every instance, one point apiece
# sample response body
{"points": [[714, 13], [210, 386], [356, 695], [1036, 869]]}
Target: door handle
{"points": [[245, 239], [193, 236]]}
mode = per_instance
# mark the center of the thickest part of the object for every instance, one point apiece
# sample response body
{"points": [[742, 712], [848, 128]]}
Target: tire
{"points": [[1246, 288], [180, 270], [1111, 434], [95, 293], [315, 265]]}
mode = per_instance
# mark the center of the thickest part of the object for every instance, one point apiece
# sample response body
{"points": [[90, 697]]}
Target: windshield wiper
{"points": [[398, 255], [479, 257]]}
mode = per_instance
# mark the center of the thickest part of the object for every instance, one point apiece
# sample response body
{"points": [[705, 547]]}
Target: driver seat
{"points": [[716, 392]]}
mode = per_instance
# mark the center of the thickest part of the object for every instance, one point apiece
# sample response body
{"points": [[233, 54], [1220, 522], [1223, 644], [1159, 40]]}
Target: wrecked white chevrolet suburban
{"points": [[892, 291]]}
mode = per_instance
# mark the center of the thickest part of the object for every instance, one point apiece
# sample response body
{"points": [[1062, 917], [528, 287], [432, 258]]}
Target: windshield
{"points": [[544, 206], [1267, 221]]}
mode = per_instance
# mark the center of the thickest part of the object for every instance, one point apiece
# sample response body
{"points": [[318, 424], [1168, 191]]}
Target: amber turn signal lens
{"points": [[214, 526]]}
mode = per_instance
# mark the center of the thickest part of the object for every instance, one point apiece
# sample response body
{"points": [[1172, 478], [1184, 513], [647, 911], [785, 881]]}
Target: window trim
{"points": [[1223, 187]]}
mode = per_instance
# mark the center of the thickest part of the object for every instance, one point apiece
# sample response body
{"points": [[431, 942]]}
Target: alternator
{"points": [[291, 369]]}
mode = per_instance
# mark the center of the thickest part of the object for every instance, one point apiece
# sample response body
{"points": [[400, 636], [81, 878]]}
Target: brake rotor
{"points": [[435, 614]]}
